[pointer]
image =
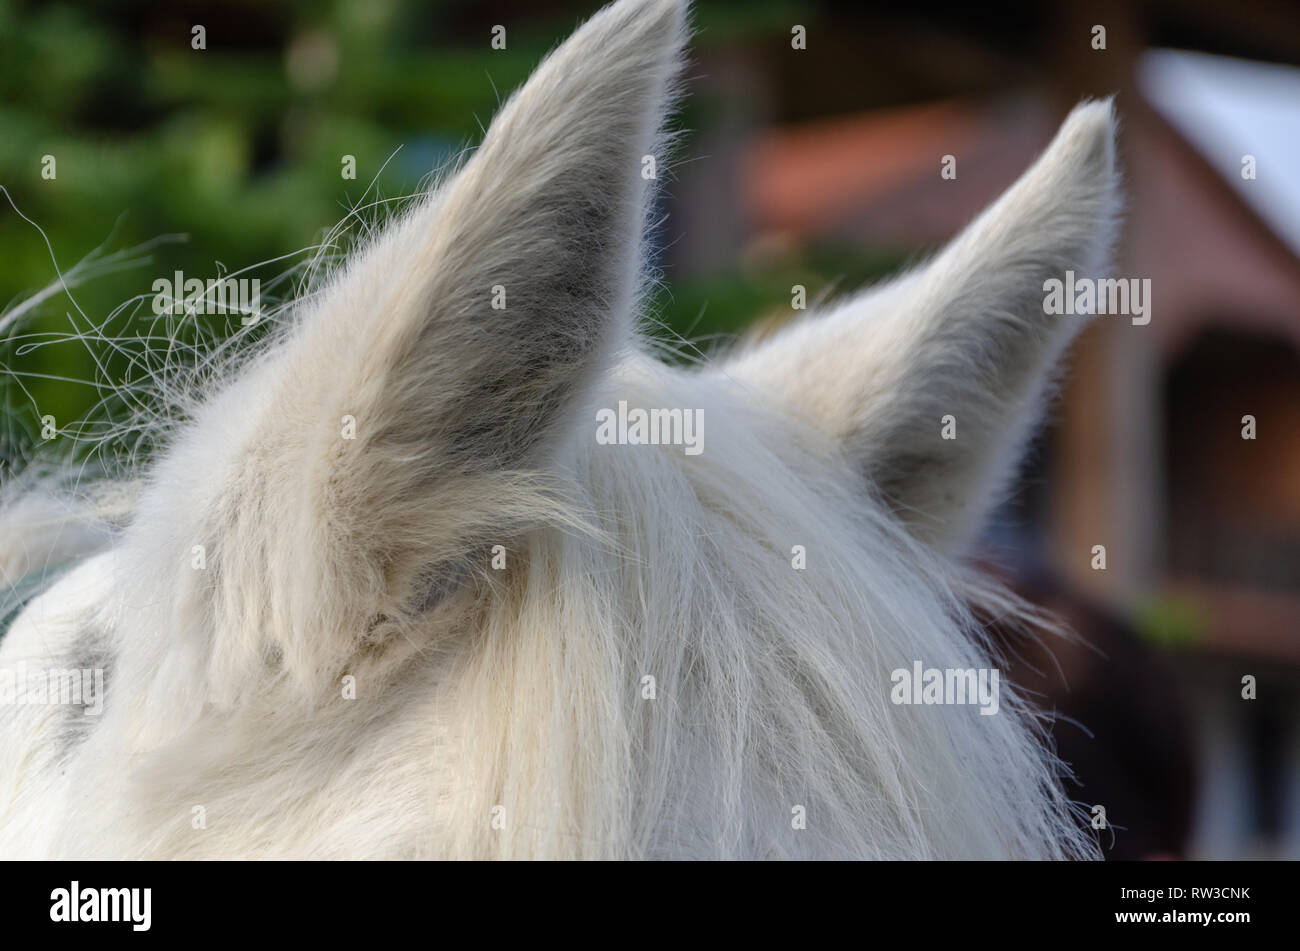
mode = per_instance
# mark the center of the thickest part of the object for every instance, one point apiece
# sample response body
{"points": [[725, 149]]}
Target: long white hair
{"points": [[386, 595]]}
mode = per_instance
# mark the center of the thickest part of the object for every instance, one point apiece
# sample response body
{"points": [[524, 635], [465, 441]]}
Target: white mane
{"points": [[505, 712]]}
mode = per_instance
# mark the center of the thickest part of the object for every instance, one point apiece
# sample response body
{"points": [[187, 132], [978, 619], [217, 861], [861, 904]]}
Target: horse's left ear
{"points": [[467, 332], [933, 381], [368, 459]]}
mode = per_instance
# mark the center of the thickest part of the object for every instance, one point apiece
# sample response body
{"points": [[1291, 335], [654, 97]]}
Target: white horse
{"points": [[387, 595]]}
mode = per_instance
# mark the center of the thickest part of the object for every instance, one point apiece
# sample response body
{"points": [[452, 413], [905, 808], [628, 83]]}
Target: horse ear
{"points": [[350, 473], [466, 332], [966, 337]]}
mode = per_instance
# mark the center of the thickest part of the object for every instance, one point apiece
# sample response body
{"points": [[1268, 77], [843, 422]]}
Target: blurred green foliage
{"points": [[1171, 622], [239, 147]]}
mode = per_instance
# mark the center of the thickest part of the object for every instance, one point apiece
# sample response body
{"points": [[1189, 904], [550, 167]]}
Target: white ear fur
{"points": [[965, 336], [314, 537]]}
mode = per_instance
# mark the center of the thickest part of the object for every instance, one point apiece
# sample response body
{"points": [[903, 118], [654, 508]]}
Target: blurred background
{"points": [[818, 166]]}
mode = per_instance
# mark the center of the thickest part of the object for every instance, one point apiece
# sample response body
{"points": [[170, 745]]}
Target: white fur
{"points": [[522, 688]]}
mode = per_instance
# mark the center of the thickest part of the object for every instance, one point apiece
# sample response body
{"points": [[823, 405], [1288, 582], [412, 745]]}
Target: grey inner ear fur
{"points": [[499, 419]]}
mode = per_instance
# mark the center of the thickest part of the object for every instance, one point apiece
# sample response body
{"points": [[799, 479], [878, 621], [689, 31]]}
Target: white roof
{"points": [[1228, 108]]}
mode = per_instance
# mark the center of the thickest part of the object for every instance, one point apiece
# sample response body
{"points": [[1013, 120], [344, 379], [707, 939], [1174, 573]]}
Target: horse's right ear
{"points": [[931, 382], [379, 439]]}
